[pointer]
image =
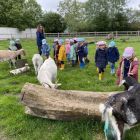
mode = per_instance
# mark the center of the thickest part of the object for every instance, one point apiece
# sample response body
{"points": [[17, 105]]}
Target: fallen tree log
{"points": [[20, 70], [61, 104]]}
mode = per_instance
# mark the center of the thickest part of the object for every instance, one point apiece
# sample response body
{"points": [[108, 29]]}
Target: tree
{"points": [[133, 16], [120, 22], [19, 13], [102, 18], [32, 13], [73, 13], [53, 22], [101, 22], [10, 11]]}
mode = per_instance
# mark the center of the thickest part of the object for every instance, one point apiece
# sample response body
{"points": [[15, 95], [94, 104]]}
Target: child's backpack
{"points": [[85, 49]]}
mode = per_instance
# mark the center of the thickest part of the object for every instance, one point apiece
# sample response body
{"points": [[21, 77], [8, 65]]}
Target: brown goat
{"points": [[6, 55]]}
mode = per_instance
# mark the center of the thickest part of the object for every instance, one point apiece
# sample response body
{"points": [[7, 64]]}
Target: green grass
{"points": [[18, 126]]}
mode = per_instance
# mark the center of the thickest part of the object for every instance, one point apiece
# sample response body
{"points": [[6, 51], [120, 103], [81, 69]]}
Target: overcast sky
{"points": [[51, 5]]}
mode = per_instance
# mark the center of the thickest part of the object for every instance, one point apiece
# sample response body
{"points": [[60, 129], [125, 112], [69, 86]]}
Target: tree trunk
{"points": [[61, 104]]}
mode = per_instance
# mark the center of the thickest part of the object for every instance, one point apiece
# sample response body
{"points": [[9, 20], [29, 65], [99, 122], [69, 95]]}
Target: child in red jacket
{"points": [[128, 65]]}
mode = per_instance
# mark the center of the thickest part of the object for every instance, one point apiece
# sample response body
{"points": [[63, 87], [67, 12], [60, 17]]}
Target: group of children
{"points": [[104, 55], [74, 50], [128, 65]]}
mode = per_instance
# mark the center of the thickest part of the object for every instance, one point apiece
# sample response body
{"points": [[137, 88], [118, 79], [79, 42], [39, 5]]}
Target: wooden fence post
{"points": [[116, 34], [138, 33]]}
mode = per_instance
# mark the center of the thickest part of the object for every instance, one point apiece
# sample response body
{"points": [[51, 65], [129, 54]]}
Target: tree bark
{"points": [[62, 104]]}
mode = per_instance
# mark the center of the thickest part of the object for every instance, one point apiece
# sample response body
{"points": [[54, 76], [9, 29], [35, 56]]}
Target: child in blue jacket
{"points": [[113, 56], [45, 48]]}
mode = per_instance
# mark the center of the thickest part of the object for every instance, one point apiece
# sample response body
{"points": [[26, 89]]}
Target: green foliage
{"points": [[73, 13], [109, 16], [101, 22], [120, 22], [10, 12], [19, 13], [133, 19], [98, 15], [32, 13], [92, 15], [53, 22]]}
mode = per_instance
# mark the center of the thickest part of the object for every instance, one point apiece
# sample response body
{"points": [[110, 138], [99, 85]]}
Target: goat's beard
{"points": [[111, 127], [109, 130]]}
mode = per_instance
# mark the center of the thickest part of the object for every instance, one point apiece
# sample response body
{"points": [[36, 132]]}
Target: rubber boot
{"points": [[82, 65], [62, 67], [101, 76], [97, 70]]}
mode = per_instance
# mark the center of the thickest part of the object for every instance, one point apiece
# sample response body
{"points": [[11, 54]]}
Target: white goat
{"points": [[6, 55], [48, 73], [37, 62]]}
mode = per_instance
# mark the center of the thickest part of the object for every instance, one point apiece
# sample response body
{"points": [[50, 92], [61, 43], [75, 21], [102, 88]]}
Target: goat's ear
{"points": [[122, 82]]}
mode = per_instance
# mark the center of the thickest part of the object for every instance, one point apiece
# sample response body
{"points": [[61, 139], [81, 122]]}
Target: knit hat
{"points": [[80, 39], [56, 40], [17, 40], [44, 41], [71, 40], [67, 40], [128, 52], [12, 42], [75, 39], [100, 43], [112, 44], [60, 41]]}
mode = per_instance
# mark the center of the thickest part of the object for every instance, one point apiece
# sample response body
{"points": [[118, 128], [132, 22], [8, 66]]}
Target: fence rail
{"points": [[94, 34], [75, 34]]}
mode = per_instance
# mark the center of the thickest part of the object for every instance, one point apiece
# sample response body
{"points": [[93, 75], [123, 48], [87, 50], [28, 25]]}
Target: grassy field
{"points": [[15, 125]]}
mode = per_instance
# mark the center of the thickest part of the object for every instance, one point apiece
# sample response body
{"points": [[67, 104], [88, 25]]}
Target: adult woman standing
{"points": [[39, 37]]}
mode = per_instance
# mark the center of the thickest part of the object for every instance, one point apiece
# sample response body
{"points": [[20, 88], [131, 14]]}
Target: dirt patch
{"points": [[2, 136]]}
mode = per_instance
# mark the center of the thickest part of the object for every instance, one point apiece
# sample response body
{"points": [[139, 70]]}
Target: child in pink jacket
{"points": [[67, 46], [128, 65]]}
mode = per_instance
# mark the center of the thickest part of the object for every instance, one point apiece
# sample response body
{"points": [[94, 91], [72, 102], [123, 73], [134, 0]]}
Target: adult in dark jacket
{"points": [[113, 56], [39, 37], [101, 59]]}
